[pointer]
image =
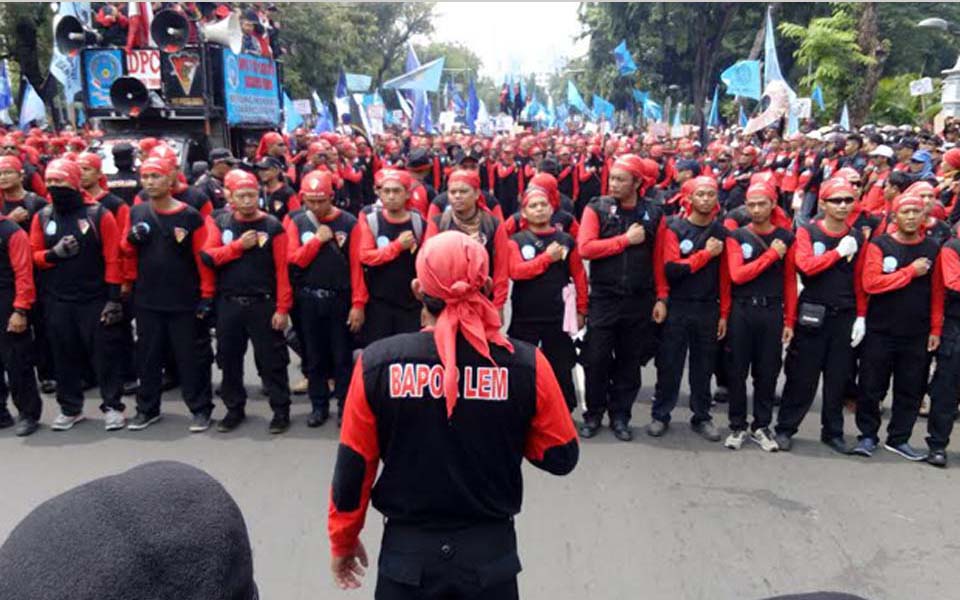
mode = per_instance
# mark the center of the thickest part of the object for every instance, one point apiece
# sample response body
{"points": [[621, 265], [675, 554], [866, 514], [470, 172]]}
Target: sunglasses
{"points": [[839, 200], [8, 147]]}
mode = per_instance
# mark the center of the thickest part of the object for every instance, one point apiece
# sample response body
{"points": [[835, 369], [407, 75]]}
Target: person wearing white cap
{"points": [[882, 159]]}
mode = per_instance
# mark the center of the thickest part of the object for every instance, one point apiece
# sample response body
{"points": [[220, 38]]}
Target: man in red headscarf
{"points": [[904, 322], [324, 257], [248, 249], [76, 244], [699, 306], [173, 297], [831, 317], [390, 236], [618, 234], [451, 411]]}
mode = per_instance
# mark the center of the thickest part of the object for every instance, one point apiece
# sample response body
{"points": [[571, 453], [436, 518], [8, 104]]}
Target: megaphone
{"points": [[225, 32], [170, 30], [129, 96], [71, 35]]}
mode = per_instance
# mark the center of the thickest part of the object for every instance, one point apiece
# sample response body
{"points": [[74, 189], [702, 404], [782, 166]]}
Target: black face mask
{"points": [[65, 198]]}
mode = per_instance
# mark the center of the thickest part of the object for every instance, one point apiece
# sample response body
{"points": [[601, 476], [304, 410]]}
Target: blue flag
{"points": [[621, 55], [743, 79], [341, 99], [603, 108], [425, 78], [676, 131], [845, 118], [817, 96], [575, 100], [771, 64], [358, 83], [652, 111], [743, 117], [324, 122], [473, 106], [291, 117], [32, 108], [640, 97], [6, 93], [714, 119]]}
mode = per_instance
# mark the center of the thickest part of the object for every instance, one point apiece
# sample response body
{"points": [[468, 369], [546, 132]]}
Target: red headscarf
{"points": [[10, 163], [317, 182], [269, 138], [547, 183], [66, 170], [239, 179], [156, 165], [452, 267], [837, 187], [467, 176]]}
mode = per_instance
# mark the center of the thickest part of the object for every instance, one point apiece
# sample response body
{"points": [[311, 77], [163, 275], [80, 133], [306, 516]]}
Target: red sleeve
{"points": [[589, 243], [807, 263], [432, 211], [38, 244], [293, 204], [498, 212], [419, 202], [501, 267], [431, 230], [350, 174], [358, 440], [551, 442], [790, 287], [510, 226], [38, 185], [730, 224], [21, 261], [284, 293], [579, 275], [208, 280], [938, 293], [875, 281], [206, 209], [358, 285], [729, 183], [659, 275], [128, 254], [367, 250], [671, 254], [297, 254], [574, 228], [741, 273], [859, 292], [110, 244], [520, 269], [582, 173], [214, 249], [726, 300], [950, 268]]}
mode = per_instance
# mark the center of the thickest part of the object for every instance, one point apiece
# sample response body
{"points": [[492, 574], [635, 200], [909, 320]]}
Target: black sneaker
{"points": [[26, 426], [937, 458], [200, 423], [279, 424], [784, 441], [317, 418], [590, 428], [230, 422], [48, 386], [141, 421], [6, 420], [131, 388], [621, 431], [837, 444], [721, 395]]}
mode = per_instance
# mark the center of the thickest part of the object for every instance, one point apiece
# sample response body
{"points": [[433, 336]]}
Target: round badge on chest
{"points": [[686, 246], [528, 252], [890, 264], [51, 228], [747, 250], [382, 241], [819, 248], [226, 237], [306, 236]]}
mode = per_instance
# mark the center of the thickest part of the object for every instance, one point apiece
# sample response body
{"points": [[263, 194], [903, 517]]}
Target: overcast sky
{"points": [[512, 37]]}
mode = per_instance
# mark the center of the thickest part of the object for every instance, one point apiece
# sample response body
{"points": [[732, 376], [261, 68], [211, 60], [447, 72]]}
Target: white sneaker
{"points": [[735, 440], [114, 420], [63, 422], [763, 438]]}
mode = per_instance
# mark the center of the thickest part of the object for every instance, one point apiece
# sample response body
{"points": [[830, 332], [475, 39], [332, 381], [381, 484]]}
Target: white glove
{"points": [[859, 330], [847, 246], [797, 203]]}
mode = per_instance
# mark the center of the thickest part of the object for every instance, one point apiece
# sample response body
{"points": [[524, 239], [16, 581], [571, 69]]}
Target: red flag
{"points": [[140, 15]]}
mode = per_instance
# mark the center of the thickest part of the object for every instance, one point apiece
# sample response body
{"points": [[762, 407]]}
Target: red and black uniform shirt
{"points": [[538, 282], [900, 302], [167, 267], [828, 278], [280, 202], [692, 274], [17, 289], [388, 266], [31, 202], [440, 472], [757, 271], [950, 275]]}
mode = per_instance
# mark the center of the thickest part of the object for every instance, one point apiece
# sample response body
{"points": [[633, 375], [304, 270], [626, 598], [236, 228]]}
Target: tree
{"points": [[26, 37], [396, 24]]}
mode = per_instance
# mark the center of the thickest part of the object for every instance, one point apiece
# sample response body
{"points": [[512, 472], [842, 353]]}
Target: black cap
{"points": [[269, 162], [122, 149], [419, 159], [222, 154], [470, 154]]}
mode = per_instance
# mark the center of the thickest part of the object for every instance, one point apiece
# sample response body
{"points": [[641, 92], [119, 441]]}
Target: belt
{"points": [[249, 300], [322, 293], [772, 301]]}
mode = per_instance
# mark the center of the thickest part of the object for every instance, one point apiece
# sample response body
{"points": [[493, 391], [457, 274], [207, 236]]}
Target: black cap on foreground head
{"points": [[419, 159], [269, 162], [222, 154], [163, 530]]}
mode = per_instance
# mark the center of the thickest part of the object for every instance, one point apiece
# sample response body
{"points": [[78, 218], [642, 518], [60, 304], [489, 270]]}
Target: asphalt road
{"points": [[676, 518]]}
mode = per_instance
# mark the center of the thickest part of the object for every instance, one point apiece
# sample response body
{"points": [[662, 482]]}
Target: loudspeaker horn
{"points": [[129, 96], [70, 35], [225, 32], [170, 30]]}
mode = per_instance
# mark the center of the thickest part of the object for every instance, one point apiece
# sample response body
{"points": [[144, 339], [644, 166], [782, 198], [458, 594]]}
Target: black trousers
{"points": [[188, 339], [384, 319], [903, 358], [474, 563], [243, 319], [328, 344], [77, 336], [557, 347], [16, 355], [691, 327], [814, 351], [754, 347], [945, 387], [42, 350], [619, 334]]}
